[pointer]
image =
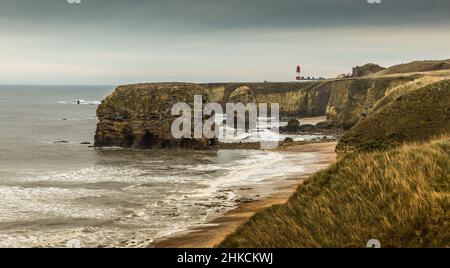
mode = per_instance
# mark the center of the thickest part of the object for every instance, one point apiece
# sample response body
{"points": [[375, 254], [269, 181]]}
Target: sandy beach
{"points": [[211, 234]]}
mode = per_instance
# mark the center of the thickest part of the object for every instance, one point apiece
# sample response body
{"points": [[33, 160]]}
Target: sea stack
{"points": [[139, 116]]}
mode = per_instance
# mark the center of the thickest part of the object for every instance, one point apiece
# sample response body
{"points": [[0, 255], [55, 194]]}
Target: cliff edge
{"points": [[139, 116]]}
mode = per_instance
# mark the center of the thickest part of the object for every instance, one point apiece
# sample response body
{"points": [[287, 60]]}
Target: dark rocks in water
{"points": [[59, 142], [324, 125], [245, 189], [307, 128], [288, 139], [85, 143], [139, 116], [198, 144], [293, 126], [244, 200]]}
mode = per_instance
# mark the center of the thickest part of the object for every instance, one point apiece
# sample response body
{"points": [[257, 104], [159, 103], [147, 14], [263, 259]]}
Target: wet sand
{"points": [[212, 233]]}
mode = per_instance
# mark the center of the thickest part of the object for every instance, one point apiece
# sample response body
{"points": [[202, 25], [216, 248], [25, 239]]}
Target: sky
{"points": [[119, 42]]}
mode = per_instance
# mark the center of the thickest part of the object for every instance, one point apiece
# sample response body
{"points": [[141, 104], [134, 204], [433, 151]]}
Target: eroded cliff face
{"points": [[353, 99], [139, 116], [343, 101], [418, 115], [295, 99]]}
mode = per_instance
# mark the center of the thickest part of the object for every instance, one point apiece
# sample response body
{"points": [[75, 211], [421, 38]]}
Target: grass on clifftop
{"points": [[417, 66], [419, 115], [400, 197]]}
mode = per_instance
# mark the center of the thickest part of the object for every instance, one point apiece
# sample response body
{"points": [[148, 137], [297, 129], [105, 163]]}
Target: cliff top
{"points": [[416, 116], [416, 66]]}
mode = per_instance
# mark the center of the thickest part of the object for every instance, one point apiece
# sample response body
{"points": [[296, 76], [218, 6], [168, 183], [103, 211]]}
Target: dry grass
{"points": [[402, 89], [417, 66], [400, 197], [418, 115]]}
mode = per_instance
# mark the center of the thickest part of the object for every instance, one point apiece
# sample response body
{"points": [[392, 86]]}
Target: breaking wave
{"points": [[81, 102]]}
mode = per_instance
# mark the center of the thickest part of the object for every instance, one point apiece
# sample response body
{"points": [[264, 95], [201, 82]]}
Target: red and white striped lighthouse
{"points": [[298, 76]]}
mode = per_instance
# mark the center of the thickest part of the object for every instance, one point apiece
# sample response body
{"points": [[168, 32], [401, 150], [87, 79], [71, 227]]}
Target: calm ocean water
{"points": [[51, 193]]}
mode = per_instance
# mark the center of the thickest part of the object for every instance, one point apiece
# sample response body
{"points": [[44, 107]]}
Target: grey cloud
{"points": [[123, 41], [229, 14]]}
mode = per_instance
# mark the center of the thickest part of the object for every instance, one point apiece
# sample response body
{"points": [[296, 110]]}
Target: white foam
{"points": [[261, 133], [167, 204], [258, 167], [20, 203], [81, 102]]}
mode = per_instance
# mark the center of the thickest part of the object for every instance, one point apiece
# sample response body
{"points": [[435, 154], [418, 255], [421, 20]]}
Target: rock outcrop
{"points": [[139, 116], [365, 70], [293, 126]]}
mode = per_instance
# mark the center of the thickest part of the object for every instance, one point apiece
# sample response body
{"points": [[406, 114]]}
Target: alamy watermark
{"points": [[73, 243], [373, 243], [244, 117]]}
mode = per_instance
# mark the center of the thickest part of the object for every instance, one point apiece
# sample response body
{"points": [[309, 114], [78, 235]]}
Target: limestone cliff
{"points": [[295, 99], [139, 116], [343, 101], [353, 99]]}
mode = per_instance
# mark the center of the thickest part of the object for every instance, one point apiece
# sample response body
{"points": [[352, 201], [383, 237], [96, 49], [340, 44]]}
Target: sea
{"points": [[56, 190]]}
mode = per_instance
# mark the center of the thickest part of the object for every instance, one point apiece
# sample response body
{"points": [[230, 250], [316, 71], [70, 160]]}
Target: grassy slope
{"points": [[416, 66], [400, 197], [393, 93], [415, 116]]}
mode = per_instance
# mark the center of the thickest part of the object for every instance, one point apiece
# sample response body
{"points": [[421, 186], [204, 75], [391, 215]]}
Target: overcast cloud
{"points": [[117, 41]]}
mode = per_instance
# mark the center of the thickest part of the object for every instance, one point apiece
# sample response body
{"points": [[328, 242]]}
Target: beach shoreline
{"points": [[210, 234]]}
